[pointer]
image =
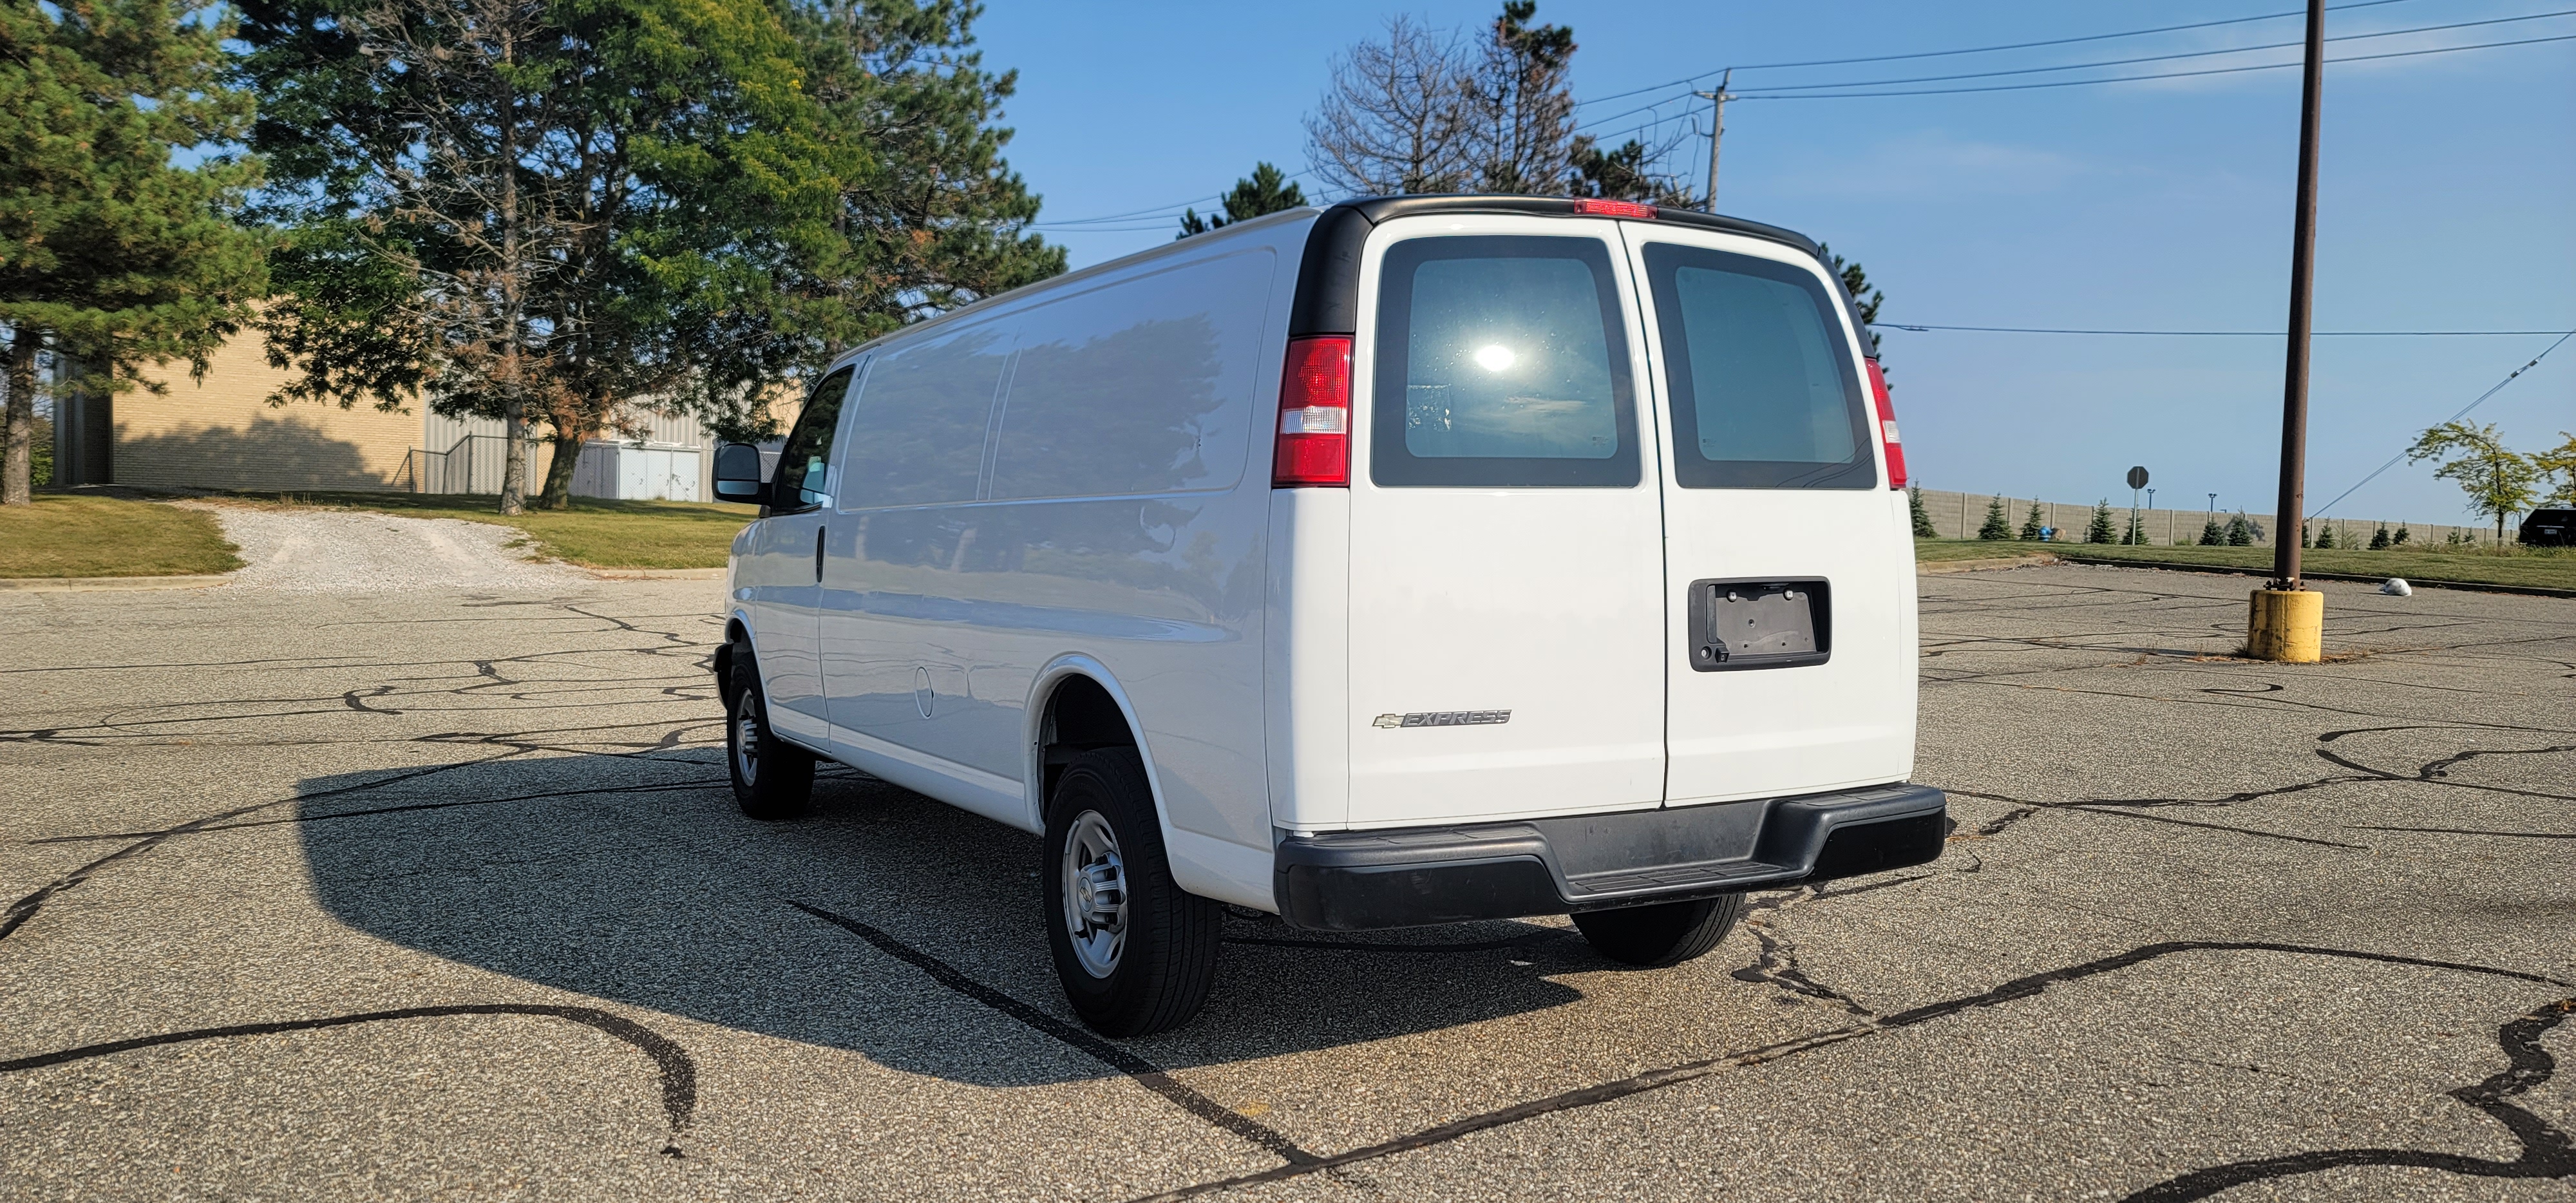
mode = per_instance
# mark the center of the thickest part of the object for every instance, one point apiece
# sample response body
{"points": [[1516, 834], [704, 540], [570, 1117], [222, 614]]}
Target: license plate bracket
{"points": [[1760, 622]]}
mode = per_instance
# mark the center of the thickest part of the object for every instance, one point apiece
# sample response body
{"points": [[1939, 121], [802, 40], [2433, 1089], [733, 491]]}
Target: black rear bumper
{"points": [[1358, 880]]}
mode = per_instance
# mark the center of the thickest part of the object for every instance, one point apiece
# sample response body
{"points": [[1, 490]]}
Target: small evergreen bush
{"points": [[2240, 532], [1996, 526], [2212, 534], [1923, 528], [2101, 530], [2030, 524]]}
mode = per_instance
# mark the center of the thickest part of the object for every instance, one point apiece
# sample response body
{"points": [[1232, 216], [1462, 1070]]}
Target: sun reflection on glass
{"points": [[1494, 357]]}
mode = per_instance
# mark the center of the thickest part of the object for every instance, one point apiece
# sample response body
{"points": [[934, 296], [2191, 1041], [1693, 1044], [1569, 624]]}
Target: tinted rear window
{"points": [[1765, 394], [1501, 361]]}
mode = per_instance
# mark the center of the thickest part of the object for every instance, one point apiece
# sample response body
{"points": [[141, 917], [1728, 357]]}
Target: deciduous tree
{"points": [[2559, 465], [2499, 482]]}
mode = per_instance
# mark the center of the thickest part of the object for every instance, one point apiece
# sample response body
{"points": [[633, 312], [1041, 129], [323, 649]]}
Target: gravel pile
{"points": [[346, 551]]}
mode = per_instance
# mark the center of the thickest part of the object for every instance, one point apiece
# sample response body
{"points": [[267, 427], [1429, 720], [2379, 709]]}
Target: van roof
{"points": [[1328, 285], [1327, 300]]}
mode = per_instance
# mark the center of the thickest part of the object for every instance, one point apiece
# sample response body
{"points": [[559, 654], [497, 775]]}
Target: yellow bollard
{"points": [[2286, 626]]}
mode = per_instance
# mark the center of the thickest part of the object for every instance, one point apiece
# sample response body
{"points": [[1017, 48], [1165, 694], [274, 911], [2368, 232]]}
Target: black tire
{"points": [[1161, 952], [772, 778], [1664, 933]]}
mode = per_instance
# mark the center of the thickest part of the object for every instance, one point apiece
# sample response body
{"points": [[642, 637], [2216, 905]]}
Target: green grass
{"points": [[63, 536], [1976, 549], [2546, 567], [595, 533]]}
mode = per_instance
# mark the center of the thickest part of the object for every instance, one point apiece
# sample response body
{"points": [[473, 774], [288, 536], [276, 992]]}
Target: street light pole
{"points": [[2285, 621], [1716, 132]]}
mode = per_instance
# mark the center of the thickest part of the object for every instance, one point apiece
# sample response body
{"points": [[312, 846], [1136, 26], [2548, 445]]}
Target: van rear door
{"points": [[1506, 571], [1789, 565]]}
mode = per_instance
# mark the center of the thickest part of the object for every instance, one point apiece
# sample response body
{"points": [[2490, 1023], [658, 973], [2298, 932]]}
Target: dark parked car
{"points": [[2550, 528]]}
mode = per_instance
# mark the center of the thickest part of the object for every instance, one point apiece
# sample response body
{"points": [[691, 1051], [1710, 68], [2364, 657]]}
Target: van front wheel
{"points": [[1665, 933], [772, 778], [1135, 952]]}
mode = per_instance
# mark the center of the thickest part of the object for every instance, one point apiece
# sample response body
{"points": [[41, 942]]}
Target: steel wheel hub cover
{"points": [[746, 740], [1094, 881]]}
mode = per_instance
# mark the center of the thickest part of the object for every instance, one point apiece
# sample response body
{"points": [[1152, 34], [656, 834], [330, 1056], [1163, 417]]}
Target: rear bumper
{"points": [[1358, 880]]}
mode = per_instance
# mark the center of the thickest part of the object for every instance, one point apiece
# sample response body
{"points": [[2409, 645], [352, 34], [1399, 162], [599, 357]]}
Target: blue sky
{"points": [[2448, 201]]}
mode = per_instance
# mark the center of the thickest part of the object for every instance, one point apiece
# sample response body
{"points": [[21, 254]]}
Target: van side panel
{"points": [[1308, 629], [1119, 514]]}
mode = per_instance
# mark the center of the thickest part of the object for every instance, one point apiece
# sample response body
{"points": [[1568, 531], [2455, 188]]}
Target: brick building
{"points": [[219, 432]]}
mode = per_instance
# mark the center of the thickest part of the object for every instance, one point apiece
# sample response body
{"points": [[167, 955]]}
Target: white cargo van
{"points": [[1410, 561]]}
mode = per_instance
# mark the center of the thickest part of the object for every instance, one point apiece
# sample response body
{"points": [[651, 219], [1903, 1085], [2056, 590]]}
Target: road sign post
{"points": [[2137, 481]]}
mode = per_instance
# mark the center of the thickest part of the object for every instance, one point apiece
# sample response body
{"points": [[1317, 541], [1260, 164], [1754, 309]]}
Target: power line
{"points": [[2464, 412], [2160, 58], [2232, 333], [2124, 79], [1889, 58]]}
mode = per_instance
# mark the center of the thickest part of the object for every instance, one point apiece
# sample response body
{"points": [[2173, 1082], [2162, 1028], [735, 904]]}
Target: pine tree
{"points": [[1996, 525], [2379, 539], [2211, 533], [2401, 538], [2135, 534], [2240, 532], [2030, 524], [1266, 190], [2101, 530], [1923, 528], [2326, 536], [109, 255]]}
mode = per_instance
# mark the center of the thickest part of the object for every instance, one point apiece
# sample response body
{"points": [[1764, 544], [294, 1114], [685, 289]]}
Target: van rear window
{"points": [[1501, 361], [1765, 394]]}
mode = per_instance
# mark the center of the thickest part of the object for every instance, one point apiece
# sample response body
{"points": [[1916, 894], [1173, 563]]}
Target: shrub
{"points": [[2212, 534], [1995, 526], [2401, 536], [2240, 532], [2030, 524], [1922, 517], [2326, 536], [2100, 530], [2379, 539]]}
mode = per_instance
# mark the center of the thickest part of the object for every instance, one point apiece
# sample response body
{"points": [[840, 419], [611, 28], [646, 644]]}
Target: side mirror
{"points": [[738, 474]]}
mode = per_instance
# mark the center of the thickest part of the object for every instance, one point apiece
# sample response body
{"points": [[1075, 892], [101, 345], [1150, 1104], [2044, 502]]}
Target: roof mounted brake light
{"points": [[1614, 208]]}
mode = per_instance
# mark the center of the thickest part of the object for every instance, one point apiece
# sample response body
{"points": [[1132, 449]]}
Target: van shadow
{"points": [[635, 879]]}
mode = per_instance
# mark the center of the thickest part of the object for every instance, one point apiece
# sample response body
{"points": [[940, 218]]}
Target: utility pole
{"points": [[2285, 622], [1716, 132]]}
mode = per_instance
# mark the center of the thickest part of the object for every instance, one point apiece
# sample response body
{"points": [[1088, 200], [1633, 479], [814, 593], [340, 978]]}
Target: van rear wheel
{"points": [[772, 778], [1136, 954], [1664, 933]]}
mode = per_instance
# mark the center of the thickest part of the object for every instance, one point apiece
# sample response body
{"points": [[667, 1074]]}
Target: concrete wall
{"points": [[221, 433], [1958, 515]]}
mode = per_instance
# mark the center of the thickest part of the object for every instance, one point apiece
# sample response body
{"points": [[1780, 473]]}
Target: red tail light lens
{"points": [[1314, 447], [1887, 427], [1614, 208]]}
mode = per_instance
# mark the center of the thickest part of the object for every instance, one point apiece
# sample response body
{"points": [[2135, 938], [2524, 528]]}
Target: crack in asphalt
{"points": [[1145, 1073], [2545, 1148], [677, 1070]]}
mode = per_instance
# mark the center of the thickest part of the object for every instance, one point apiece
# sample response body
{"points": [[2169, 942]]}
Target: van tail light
{"points": [[1314, 414], [1887, 427]]}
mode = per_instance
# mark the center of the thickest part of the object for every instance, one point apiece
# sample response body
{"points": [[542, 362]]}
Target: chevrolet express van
{"points": [[1410, 561]]}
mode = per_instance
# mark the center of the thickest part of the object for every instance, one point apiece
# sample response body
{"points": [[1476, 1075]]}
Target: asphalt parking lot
{"points": [[441, 893]]}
